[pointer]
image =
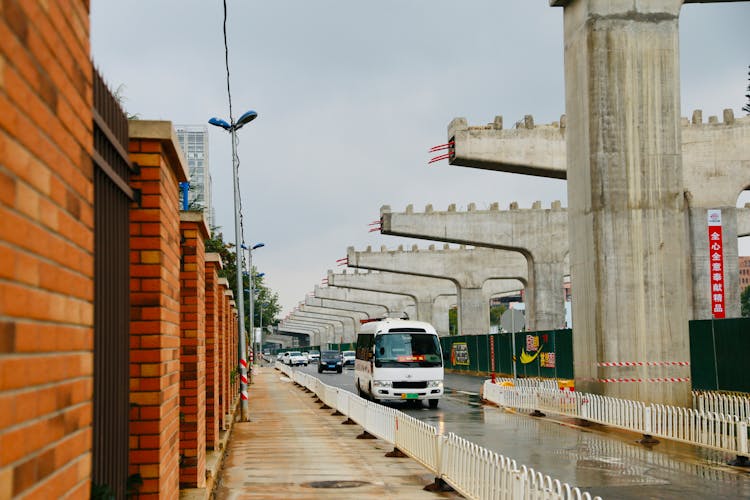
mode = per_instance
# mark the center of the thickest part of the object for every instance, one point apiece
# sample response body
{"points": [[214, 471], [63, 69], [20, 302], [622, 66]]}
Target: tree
{"points": [[745, 302], [263, 294], [453, 321], [496, 312]]}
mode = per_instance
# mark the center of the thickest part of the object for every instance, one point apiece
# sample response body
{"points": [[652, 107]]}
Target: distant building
{"points": [[744, 272], [194, 143]]}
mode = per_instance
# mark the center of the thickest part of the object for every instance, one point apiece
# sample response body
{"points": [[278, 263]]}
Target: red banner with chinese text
{"points": [[716, 261]]}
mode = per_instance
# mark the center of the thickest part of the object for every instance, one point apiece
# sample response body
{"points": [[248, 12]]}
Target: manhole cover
{"points": [[335, 484]]}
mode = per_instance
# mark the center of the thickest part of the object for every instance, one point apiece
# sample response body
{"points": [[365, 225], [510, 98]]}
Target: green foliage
{"points": [[453, 321], [496, 313], [263, 294], [745, 302]]}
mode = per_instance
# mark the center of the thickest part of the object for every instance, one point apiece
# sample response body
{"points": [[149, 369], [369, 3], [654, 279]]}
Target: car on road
{"points": [[295, 358], [314, 356], [281, 357], [348, 357], [330, 360]]}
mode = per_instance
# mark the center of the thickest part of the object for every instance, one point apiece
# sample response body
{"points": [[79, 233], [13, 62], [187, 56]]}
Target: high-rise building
{"points": [[744, 272], [194, 142]]}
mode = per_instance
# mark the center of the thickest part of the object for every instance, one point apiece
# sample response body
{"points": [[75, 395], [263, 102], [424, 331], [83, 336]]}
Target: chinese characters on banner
{"points": [[716, 261]]}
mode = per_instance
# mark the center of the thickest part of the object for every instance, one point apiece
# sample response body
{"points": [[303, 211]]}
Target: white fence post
{"points": [[742, 438]]}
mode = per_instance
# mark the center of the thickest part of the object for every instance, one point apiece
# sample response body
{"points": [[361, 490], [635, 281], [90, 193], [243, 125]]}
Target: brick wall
{"points": [[155, 309], [213, 417], [46, 249], [223, 376], [194, 231]]}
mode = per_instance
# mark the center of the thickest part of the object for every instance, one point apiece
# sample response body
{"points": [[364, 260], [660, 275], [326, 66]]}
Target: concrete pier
{"points": [[369, 311], [423, 290], [394, 304], [468, 269], [715, 160], [629, 250], [541, 235]]}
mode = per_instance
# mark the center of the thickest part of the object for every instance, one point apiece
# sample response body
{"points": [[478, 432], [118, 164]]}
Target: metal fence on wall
{"points": [[112, 196]]}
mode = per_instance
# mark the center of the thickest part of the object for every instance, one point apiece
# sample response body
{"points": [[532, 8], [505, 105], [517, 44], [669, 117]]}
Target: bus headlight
{"points": [[382, 383], [434, 383]]}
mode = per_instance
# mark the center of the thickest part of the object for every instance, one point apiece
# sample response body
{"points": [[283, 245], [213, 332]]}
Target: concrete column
{"points": [[337, 324], [467, 269], [440, 308], [394, 303], [354, 316], [423, 290], [368, 310], [714, 165], [540, 235], [628, 240]]}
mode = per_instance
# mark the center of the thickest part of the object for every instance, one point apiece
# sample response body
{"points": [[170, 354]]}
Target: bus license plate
{"points": [[409, 396]]}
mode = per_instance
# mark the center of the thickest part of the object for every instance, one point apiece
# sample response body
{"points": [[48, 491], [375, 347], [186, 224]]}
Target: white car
{"points": [[282, 358], [295, 358], [314, 356], [348, 357]]}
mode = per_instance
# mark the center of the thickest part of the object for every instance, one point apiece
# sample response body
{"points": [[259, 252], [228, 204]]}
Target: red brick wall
{"points": [[194, 231], [222, 351], [155, 310], [46, 249], [213, 417]]}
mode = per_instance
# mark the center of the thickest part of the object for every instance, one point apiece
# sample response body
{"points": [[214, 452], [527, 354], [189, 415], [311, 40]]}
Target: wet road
{"points": [[606, 464]]}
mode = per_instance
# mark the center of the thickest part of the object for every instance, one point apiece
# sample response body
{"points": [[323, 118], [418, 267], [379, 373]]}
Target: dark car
{"points": [[330, 360]]}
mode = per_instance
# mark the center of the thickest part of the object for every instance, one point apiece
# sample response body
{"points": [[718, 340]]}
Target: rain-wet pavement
{"points": [[605, 462], [293, 449]]}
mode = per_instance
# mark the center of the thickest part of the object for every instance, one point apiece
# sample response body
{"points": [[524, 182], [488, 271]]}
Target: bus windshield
{"points": [[401, 350]]}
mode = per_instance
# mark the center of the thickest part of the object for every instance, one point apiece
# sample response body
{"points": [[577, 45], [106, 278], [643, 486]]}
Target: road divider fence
{"points": [[701, 427], [473, 471]]}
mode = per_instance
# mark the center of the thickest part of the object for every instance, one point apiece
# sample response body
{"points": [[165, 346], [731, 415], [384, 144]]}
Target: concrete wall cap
{"points": [[215, 257], [199, 217], [223, 281], [385, 209], [162, 131]]}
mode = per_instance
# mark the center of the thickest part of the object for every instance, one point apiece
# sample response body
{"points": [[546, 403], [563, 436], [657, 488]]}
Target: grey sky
{"points": [[351, 95]]}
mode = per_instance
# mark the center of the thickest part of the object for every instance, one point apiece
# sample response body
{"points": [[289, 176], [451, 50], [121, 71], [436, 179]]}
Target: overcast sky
{"points": [[351, 95]]}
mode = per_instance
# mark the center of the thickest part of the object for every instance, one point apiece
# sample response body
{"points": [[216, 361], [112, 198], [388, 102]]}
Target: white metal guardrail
{"points": [[723, 432], [727, 404], [475, 472], [419, 440]]}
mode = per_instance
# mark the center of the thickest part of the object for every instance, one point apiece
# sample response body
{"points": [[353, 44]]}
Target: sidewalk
{"points": [[290, 444]]}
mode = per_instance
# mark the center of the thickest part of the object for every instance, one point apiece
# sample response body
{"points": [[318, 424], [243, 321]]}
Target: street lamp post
{"points": [[232, 128], [260, 338], [252, 293]]}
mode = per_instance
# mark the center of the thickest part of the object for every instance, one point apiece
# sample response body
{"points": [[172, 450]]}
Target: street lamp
{"points": [[252, 293], [232, 128]]}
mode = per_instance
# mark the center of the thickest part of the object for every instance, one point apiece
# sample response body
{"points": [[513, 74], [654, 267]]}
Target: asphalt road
{"points": [[605, 464]]}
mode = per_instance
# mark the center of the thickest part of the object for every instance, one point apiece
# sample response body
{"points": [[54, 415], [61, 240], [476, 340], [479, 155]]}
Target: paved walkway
{"points": [[291, 444]]}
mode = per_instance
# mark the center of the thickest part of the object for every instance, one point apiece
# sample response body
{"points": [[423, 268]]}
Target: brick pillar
{"points": [[155, 308], [222, 350], [213, 415], [46, 250], [231, 355], [193, 231]]}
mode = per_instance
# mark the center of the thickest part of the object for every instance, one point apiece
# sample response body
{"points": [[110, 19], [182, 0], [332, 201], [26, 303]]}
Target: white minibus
{"points": [[399, 360]]}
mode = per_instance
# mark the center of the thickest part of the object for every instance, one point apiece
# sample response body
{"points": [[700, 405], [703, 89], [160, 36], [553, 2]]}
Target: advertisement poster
{"points": [[547, 359], [460, 354]]}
